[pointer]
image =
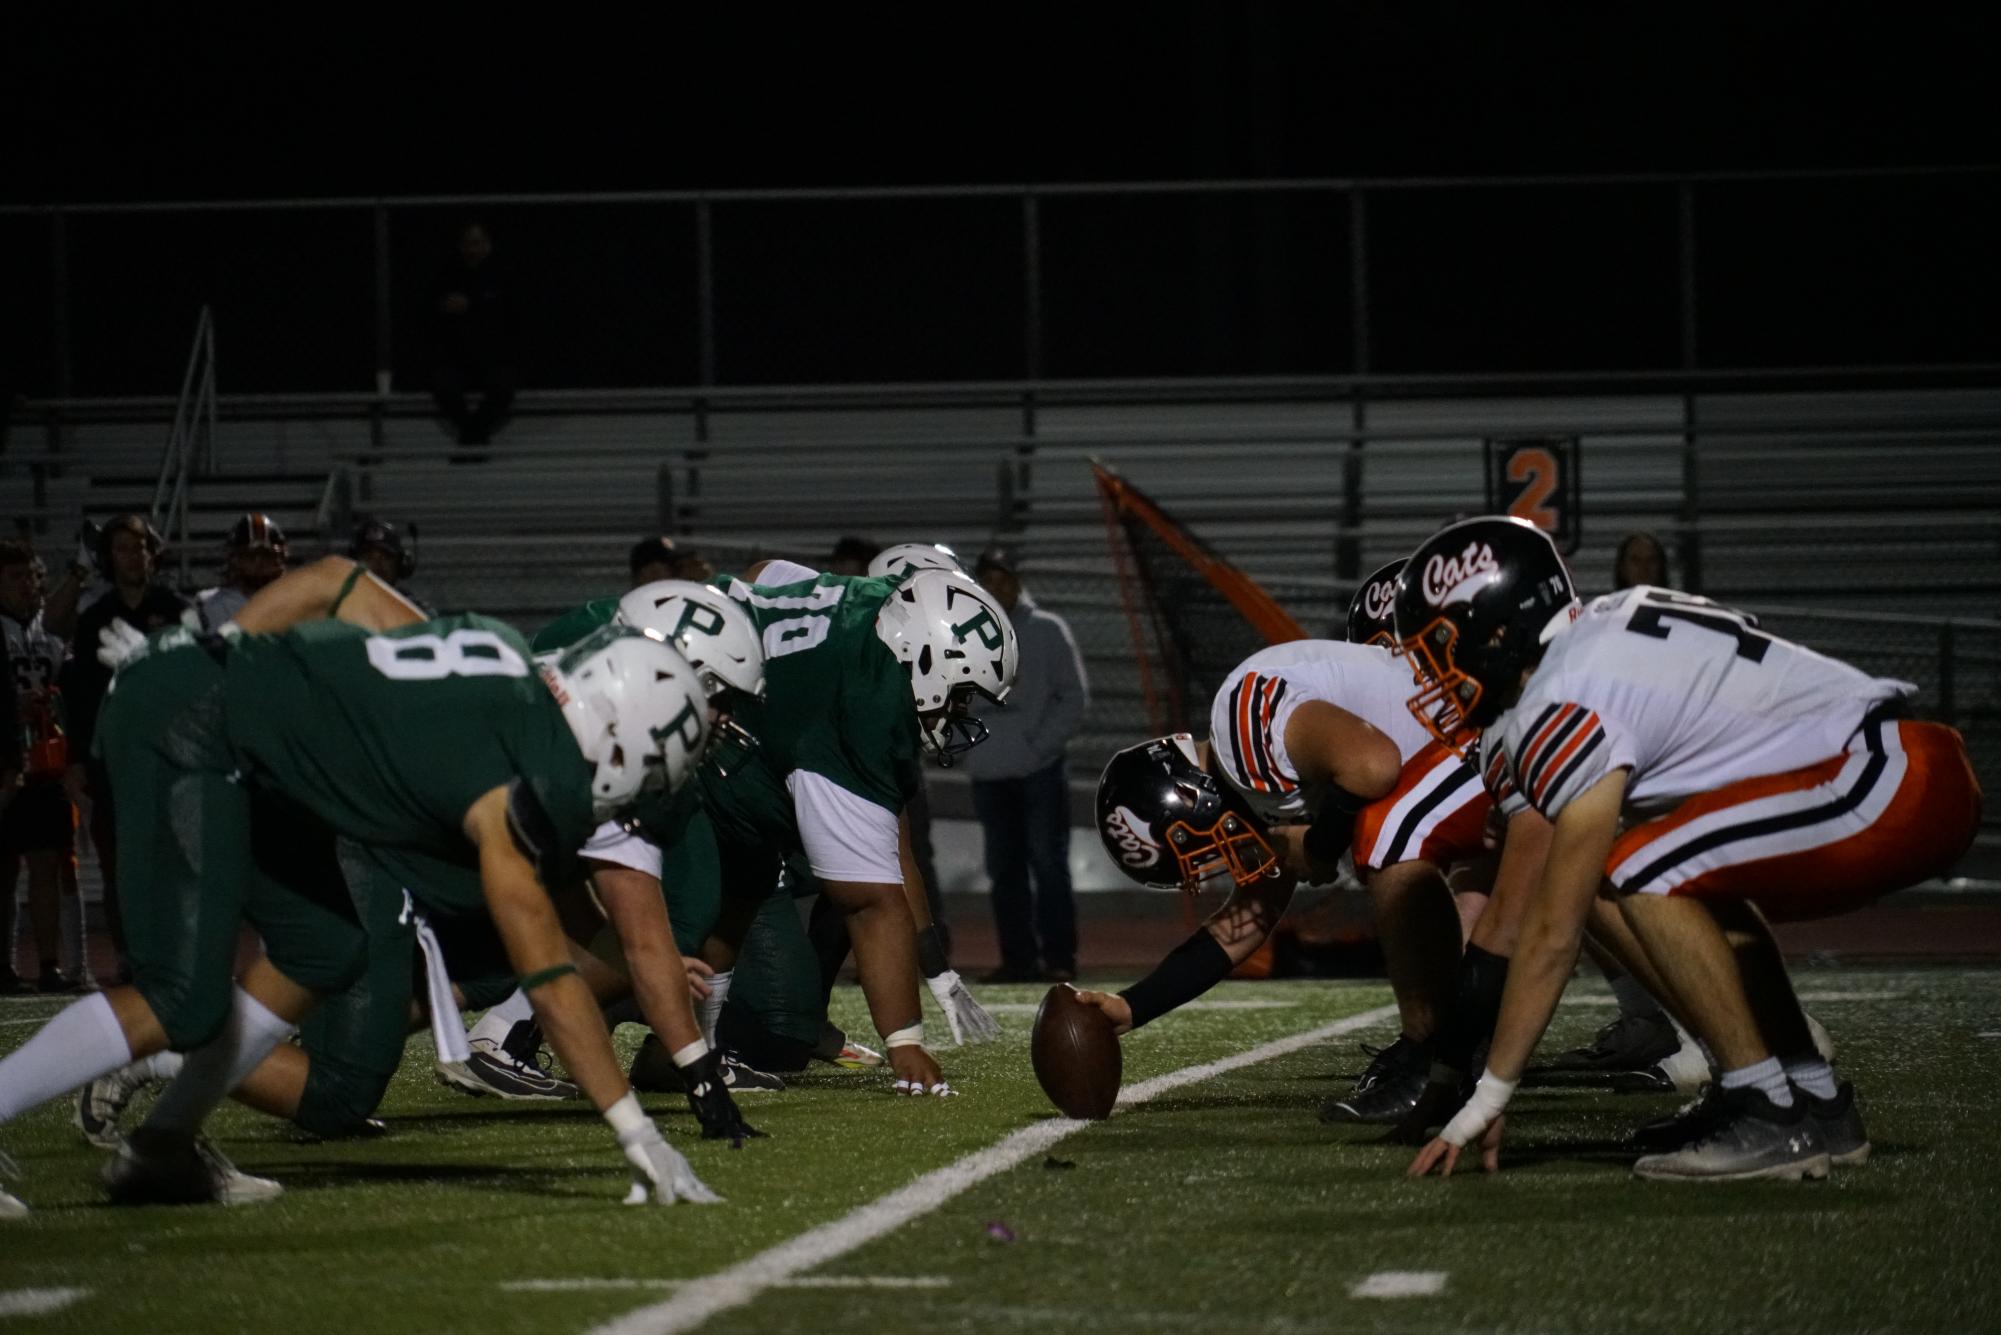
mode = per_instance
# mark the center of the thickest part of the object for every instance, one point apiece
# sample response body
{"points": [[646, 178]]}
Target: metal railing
{"points": [[190, 441], [1358, 206]]}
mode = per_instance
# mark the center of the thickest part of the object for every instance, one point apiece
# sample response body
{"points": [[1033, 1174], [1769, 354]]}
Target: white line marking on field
{"points": [[802, 1282], [1249, 1004], [1594, 999], [1992, 1033], [38, 1302], [736, 1285], [1401, 1284]]}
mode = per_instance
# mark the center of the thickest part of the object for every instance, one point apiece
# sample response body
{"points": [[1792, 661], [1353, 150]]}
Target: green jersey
{"points": [[574, 624], [837, 704], [390, 738]]}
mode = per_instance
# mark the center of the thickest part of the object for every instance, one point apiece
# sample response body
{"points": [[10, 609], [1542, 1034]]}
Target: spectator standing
{"points": [[38, 827], [255, 554], [128, 554], [1641, 559], [474, 348], [1021, 787]]}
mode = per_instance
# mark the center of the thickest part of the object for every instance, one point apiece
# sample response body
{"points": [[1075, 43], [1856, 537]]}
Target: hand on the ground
{"points": [[659, 1174], [1444, 1155], [917, 1072], [714, 1108]]}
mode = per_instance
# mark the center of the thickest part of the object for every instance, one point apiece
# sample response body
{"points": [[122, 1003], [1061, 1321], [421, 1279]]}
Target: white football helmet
{"points": [[710, 628], [908, 556], [957, 643], [637, 709]]}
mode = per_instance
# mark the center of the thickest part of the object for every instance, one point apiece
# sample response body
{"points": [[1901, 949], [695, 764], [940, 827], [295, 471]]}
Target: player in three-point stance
{"points": [[1312, 754], [1699, 771]]}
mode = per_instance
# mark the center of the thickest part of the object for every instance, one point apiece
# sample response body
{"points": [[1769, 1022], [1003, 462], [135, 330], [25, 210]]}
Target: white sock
{"points": [[710, 1008], [1633, 999], [80, 1042], [1767, 1076], [1813, 1075], [215, 1068], [69, 919], [495, 1025]]}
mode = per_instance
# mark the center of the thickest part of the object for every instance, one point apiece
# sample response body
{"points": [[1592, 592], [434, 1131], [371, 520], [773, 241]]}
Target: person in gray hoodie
{"points": [[1021, 790]]}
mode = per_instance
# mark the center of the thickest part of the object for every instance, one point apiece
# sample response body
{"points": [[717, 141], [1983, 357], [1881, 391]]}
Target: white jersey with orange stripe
{"points": [[1686, 694], [1247, 721]]}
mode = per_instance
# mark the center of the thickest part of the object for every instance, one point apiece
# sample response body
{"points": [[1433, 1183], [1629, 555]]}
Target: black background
{"points": [[183, 106]]}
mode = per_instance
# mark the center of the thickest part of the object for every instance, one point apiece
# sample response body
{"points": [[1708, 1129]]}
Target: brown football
{"points": [[1076, 1054]]}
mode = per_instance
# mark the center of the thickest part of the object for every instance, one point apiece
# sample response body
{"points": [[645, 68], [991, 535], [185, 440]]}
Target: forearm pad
{"points": [[1333, 829], [1476, 1004], [931, 952], [1190, 969]]}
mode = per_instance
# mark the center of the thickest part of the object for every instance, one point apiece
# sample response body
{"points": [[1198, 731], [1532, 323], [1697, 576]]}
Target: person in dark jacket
{"points": [[128, 555]]}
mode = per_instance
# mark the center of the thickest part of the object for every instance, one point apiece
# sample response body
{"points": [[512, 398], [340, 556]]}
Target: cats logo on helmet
{"points": [[1135, 843], [1170, 824], [1371, 611], [1475, 604]]}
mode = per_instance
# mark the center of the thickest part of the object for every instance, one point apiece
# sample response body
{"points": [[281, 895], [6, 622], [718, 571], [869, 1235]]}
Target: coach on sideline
{"points": [[1021, 786]]}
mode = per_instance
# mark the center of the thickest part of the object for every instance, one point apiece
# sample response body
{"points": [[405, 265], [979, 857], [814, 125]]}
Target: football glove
{"points": [[714, 1108], [969, 1020], [118, 643], [659, 1173]]}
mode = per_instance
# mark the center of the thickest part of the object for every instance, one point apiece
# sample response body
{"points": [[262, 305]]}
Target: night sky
{"points": [[192, 107], [181, 104]]}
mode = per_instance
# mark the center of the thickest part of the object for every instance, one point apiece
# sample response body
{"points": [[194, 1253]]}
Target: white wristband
{"points": [[626, 1116], [691, 1054], [910, 1036], [1490, 1098]]}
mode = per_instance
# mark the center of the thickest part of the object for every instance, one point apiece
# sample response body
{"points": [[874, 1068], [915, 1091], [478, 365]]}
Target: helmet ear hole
{"points": [[924, 659]]}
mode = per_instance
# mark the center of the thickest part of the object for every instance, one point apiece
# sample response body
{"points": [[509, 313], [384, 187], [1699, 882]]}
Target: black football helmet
{"points": [[1371, 613], [372, 532], [256, 530], [1170, 824], [1475, 604]]}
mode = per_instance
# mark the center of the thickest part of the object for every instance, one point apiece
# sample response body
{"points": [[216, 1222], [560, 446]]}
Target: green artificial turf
{"points": [[1222, 1205]]}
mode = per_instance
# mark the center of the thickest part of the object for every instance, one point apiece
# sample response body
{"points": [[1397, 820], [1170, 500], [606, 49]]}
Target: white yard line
{"points": [[802, 1282], [1219, 1004], [1400, 1284], [698, 1300], [38, 1302]]}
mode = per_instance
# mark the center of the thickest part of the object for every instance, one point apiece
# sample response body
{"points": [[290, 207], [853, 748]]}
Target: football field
{"points": [[1212, 1200]]}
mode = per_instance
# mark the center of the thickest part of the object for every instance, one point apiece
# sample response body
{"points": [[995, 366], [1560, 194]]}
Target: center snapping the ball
{"points": [[1076, 1055]]}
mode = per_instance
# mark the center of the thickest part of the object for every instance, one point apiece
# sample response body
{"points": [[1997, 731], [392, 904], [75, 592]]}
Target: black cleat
{"points": [[1755, 1139], [1628, 1043], [1387, 1091], [1839, 1123], [1688, 1124]]}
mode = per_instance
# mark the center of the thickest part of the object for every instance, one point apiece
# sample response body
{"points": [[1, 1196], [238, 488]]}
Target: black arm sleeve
{"points": [[1190, 969], [1476, 1004], [1333, 829]]}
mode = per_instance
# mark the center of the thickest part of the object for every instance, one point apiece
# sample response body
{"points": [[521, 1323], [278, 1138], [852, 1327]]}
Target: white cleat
{"points": [[104, 1100], [163, 1168], [1687, 1067]]}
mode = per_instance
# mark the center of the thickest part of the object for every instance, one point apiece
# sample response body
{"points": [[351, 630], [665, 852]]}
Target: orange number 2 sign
{"points": [[1537, 468]]}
